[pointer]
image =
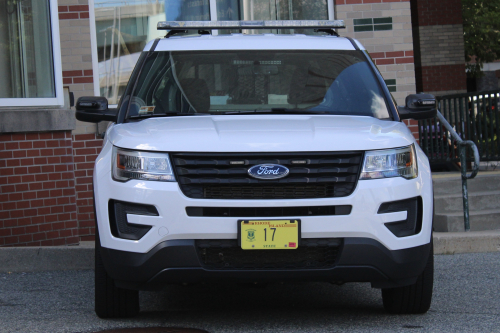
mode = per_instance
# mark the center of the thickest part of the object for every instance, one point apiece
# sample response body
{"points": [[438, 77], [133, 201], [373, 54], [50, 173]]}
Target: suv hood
{"points": [[260, 133]]}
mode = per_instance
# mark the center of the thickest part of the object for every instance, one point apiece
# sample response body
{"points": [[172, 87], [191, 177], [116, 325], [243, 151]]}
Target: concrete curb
{"points": [[46, 258], [466, 242], [56, 258]]}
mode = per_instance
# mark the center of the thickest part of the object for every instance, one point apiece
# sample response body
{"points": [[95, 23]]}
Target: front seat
{"points": [[197, 94]]}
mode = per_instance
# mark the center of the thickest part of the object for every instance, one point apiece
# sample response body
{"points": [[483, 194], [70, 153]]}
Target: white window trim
{"points": [[331, 10], [212, 5], [93, 46], [57, 101]]}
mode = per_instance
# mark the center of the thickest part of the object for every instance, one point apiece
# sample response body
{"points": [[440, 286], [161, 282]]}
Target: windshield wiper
{"points": [[168, 114], [275, 111]]}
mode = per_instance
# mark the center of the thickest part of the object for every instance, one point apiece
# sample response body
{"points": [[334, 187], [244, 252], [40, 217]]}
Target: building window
{"points": [[124, 27], [373, 24], [191, 10], [391, 85], [233, 10], [30, 60]]}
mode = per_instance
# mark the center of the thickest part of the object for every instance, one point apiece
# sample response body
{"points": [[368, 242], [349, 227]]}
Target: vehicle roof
{"points": [[253, 42]]}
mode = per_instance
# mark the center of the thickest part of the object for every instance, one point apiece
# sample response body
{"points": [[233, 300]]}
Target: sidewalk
{"points": [[54, 258]]}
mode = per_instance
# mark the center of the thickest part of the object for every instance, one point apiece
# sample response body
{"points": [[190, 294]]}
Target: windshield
{"points": [[221, 82]]}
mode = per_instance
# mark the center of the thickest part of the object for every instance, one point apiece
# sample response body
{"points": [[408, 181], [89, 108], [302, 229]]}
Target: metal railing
{"points": [[473, 116], [462, 148], [467, 120]]}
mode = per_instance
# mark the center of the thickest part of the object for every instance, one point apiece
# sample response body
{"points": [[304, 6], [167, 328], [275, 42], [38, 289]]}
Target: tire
{"points": [[110, 301], [413, 299]]}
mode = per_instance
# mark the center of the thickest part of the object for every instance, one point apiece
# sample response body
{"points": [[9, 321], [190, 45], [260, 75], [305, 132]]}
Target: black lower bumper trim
{"points": [[197, 275], [176, 261]]}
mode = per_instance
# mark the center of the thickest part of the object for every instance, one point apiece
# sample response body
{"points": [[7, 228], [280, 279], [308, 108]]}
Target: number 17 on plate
{"points": [[269, 234]]}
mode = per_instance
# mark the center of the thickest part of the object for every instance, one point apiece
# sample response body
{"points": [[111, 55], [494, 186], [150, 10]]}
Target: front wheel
{"points": [[111, 301], [415, 298]]}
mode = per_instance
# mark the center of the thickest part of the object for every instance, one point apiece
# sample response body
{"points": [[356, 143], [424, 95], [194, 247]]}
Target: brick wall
{"points": [[76, 52], [86, 147], [413, 127], [442, 78], [78, 76], [72, 12], [46, 188], [391, 58], [392, 50], [439, 46], [37, 190], [437, 12]]}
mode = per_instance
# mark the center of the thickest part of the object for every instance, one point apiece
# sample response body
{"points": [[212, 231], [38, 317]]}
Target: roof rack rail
{"points": [[283, 24]]}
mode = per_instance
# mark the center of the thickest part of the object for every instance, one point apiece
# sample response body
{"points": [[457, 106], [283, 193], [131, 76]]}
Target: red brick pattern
{"points": [[73, 12], [37, 190], [438, 12], [355, 2], [86, 147], [391, 58], [413, 127], [441, 77], [78, 76]]}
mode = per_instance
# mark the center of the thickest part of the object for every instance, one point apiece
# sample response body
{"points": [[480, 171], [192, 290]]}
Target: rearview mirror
{"points": [[94, 109], [418, 106]]}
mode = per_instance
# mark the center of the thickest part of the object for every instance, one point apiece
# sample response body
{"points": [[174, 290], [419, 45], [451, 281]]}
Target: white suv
{"points": [[260, 158]]}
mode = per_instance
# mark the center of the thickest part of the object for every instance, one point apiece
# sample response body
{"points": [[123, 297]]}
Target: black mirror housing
{"points": [[418, 106], [94, 109]]}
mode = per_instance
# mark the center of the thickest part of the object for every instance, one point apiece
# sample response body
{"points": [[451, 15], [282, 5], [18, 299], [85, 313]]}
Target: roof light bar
{"points": [[288, 24]]}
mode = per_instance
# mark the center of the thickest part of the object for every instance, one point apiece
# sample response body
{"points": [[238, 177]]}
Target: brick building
{"points": [[89, 47], [439, 46]]}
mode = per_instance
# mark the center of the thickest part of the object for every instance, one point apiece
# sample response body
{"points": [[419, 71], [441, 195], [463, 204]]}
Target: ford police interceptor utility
{"points": [[260, 158]]}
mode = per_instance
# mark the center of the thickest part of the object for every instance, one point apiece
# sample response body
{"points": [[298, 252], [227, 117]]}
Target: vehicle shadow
{"points": [[242, 307]]}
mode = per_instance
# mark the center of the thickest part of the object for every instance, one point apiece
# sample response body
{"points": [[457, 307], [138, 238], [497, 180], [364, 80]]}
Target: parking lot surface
{"points": [[466, 299]]}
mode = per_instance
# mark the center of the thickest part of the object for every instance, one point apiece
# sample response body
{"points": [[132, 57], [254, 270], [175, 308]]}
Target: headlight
{"points": [[399, 162], [129, 164]]}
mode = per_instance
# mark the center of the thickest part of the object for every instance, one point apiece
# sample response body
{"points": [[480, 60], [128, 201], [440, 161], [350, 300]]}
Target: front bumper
{"points": [[177, 261], [173, 223]]}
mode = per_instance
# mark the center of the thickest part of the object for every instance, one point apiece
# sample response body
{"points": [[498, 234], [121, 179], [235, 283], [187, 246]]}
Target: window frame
{"points": [[58, 100]]}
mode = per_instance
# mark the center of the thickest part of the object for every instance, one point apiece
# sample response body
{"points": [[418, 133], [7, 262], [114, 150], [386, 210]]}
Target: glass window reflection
{"points": [[123, 28], [26, 64], [233, 10]]}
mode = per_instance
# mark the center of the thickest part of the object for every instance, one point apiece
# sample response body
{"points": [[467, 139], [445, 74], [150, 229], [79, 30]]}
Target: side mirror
{"points": [[418, 106], [94, 109]]}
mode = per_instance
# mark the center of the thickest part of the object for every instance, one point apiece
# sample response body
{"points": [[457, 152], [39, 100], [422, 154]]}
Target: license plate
{"points": [[269, 234]]}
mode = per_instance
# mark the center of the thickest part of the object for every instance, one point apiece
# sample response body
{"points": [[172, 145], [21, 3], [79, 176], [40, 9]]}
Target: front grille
{"points": [[225, 254], [269, 211], [317, 175]]}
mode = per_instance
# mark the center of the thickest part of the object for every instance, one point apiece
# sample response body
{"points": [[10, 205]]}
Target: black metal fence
{"points": [[474, 116]]}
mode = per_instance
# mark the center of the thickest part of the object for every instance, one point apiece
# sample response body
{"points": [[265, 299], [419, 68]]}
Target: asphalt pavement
{"points": [[466, 299]]}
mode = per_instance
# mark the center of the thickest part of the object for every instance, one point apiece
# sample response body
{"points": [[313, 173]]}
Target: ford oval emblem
{"points": [[268, 171]]}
